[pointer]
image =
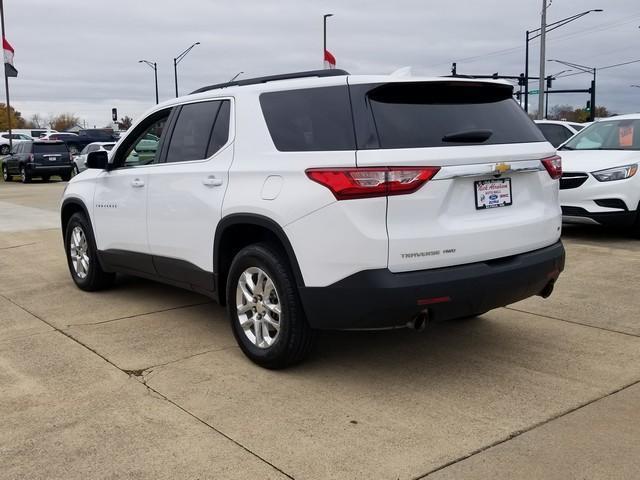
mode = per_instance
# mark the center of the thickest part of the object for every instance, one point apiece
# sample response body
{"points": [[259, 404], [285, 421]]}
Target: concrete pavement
{"points": [[146, 381]]}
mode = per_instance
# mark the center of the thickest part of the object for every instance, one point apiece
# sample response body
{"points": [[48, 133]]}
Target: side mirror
{"points": [[99, 160]]}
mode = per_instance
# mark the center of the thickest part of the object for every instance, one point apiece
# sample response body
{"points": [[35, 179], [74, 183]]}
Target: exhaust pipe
{"points": [[547, 290], [419, 322]]}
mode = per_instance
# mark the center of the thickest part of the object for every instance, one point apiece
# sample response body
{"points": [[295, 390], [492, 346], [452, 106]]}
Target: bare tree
{"points": [[64, 121]]}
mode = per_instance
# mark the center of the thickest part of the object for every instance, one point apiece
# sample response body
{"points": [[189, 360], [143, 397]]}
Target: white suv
{"points": [[321, 200]]}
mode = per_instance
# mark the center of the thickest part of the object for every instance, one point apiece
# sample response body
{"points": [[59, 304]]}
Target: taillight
{"points": [[553, 166], [367, 182]]}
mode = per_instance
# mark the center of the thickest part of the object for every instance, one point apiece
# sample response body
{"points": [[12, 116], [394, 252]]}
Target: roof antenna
{"points": [[402, 72]]}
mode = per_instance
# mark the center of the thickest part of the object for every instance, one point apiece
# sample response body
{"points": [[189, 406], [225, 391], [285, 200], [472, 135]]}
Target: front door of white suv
{"points": [[186, 192], [120, 199]]}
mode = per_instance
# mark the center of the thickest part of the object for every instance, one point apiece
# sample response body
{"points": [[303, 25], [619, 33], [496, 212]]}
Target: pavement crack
{"points": [[137, 315], [517, 433], [574, 322], [18, 246]]}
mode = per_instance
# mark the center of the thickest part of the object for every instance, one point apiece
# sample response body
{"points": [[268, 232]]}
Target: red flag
{"points": [[9, 69], [329, 60], [8, 51]]}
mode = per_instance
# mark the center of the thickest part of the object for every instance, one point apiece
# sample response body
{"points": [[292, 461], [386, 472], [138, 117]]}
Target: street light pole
{"points": [[324, 36], [533, 34], [177, 60], [154, 66], [543, 44]]}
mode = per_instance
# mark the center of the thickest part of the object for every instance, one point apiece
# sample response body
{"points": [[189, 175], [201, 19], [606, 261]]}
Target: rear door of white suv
{"points": [[492, 196], [187, 189]]}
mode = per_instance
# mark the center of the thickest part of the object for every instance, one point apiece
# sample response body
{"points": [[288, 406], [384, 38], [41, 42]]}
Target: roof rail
{"points": [[273, 78]]}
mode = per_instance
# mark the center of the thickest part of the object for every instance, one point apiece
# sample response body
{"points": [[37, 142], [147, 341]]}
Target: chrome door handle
{"points": [[212, 181], [137, 183]]}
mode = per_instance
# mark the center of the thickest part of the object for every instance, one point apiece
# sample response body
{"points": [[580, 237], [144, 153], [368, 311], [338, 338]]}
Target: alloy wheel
{"points": [[258, 307], [79, 252]]}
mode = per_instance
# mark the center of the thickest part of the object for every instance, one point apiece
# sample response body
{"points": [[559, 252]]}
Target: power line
{"points": [[509, 51]]}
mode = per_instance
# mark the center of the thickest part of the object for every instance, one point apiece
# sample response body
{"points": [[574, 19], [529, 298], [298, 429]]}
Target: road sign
{"points": [[534, 92]]}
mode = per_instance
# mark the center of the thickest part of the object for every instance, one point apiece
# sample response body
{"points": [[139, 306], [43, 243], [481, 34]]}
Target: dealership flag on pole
{"points": [[329, 60], [9, 69]]}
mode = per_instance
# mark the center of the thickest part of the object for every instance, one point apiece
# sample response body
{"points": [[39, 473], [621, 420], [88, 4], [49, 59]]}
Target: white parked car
{"points": [[5, 148], [558, 132], [601, 184], [80, 159], [320, 200]]}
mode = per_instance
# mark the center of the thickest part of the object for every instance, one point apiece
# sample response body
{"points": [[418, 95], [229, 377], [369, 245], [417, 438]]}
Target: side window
{"points": [[92, 148], [142, 146], [555, 134], [220, 129], [193, 131], [309, 119], [85, 150]]}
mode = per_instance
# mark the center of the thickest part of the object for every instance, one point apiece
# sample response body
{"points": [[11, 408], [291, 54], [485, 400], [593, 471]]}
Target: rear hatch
{"points": [[50, 154], [492, 195]]}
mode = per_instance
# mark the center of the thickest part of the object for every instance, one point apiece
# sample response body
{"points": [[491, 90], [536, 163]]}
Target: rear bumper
{"points": [[381, 299], [34, 169], [622, 218]]}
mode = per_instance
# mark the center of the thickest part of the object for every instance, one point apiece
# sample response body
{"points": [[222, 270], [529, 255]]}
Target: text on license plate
{"points": [[493, 193]]}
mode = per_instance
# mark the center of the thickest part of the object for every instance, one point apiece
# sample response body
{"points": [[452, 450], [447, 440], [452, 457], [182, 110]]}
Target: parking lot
{"points": [[146, 380]]}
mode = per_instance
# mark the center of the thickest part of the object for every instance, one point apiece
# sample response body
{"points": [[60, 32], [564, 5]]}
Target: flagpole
{"points": [[6, 80]]}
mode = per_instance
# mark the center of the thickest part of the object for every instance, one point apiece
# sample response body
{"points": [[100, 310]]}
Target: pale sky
{"points": [[80, 56]]}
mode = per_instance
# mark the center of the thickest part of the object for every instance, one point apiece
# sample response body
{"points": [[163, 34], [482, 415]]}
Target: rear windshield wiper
{"points": [[468, 136]]}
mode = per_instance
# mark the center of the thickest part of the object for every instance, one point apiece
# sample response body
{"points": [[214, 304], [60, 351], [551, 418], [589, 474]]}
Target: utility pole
{"points": [[543, 41], [526, 75]]}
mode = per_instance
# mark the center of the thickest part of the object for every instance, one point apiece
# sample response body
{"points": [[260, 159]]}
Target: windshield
{"points": [[607, 135]]}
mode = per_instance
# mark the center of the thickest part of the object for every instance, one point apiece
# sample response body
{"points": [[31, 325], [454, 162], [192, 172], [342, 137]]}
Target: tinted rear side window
{"points": [[309, 119], [422, 114], [220, 133], [50, 148], [555, 134]]}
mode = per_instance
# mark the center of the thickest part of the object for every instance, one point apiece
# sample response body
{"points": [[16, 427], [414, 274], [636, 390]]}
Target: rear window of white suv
{"points": [[439, 114]]}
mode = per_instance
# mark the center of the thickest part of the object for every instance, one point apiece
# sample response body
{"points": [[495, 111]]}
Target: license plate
{"points": [[493, 193]]}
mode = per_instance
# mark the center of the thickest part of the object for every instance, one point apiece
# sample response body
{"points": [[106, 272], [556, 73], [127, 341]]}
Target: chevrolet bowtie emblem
{"points": [[501, 167]]}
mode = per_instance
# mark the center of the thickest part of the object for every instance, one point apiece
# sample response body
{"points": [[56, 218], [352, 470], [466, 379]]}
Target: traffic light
{"points": [[549, 80], [588, 109], [521, 80], [114, 114]]}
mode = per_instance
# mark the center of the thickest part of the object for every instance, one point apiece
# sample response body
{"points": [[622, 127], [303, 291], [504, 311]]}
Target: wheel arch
{"points": [[68, 208], [229, 239]]}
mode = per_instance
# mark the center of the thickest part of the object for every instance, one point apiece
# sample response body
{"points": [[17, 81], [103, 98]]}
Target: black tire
{"points": [[295, 338], [95, 278], [6, 176], [25, 176], [635, 230], [4, 150], [65, 176]]}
